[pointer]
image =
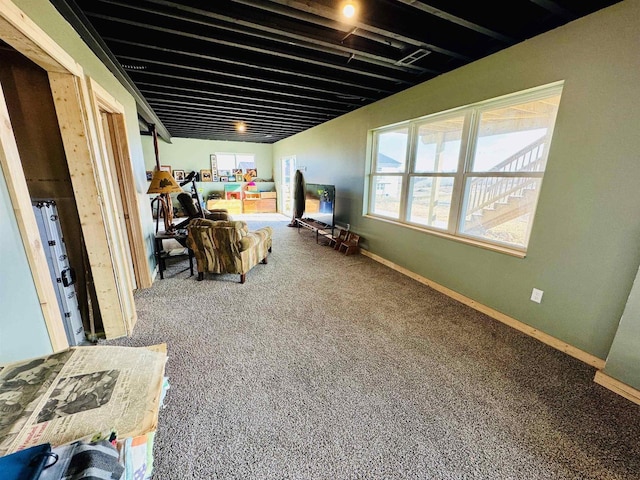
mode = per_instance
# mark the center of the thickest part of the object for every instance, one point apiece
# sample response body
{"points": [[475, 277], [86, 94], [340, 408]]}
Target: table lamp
{"points": [[164, 184]]}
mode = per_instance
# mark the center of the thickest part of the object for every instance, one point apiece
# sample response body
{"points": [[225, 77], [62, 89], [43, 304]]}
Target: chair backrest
{"points": [[222, 232], [353, 239], [218, 241], [188, 206]]}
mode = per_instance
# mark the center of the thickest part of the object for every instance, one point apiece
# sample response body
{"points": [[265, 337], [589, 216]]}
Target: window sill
{"points": [[468, 241]]}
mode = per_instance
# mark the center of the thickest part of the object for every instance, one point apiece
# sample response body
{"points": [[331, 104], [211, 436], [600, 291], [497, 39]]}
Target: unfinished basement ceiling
{"points": [[199, 68]]}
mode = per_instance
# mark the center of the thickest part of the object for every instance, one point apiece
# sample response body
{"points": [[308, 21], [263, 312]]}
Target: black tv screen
{"points": [[319, 203]]}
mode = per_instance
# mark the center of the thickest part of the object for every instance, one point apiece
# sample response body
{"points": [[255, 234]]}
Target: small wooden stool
{"points": [[350, 245], [336, 241]]}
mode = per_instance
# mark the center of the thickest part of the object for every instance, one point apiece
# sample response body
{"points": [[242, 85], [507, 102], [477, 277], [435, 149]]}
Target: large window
{"points": [[473, 173], [233, 161]]}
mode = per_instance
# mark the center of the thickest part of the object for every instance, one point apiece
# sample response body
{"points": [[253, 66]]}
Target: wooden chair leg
{"points": [[243, 277], [264, 260], [200, 276]]}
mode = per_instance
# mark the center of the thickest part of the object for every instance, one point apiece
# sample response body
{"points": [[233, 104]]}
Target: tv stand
{"points": [[315, 226]]}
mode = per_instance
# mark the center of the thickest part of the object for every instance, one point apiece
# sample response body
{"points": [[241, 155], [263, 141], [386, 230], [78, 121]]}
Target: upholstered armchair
{"points": [[227, 246]]}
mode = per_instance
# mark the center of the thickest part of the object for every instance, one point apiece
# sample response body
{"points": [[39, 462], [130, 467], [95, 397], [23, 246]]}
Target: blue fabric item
{"points": [[26, 464]]}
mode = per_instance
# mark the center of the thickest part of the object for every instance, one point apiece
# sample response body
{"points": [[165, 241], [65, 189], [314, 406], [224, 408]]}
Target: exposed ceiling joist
{"points": [[225, 22], [425, 7], [81, 24], [556, 9], [326, 12], [199, 67]]}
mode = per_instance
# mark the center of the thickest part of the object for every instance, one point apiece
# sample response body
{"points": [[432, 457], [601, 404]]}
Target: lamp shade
{"points": [[163, 182]]}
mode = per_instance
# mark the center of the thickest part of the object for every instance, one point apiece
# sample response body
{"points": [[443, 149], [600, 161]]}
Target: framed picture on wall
{"points": [[205, 175], [238, 177], [178, 175], [214, 162], [165, 168], [149, 175]]}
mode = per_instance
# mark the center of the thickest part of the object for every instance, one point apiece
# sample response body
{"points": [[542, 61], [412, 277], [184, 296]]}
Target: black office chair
{"points": [[194, 210]]}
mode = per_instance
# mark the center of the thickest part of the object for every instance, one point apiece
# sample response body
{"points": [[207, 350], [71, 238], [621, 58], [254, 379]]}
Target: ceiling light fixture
{"points": [[349, 9], [241, 127]]}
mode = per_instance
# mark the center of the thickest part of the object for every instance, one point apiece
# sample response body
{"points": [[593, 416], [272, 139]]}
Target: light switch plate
{"points": [[536, 295]]}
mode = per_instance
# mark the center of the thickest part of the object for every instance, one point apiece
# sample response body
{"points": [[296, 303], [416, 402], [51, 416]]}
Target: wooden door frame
{"points": [[103, 101], [89, 181], [21, 203]]}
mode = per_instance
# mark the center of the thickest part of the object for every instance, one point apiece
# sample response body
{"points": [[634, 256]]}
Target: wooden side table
{"points": [[161, 255]]}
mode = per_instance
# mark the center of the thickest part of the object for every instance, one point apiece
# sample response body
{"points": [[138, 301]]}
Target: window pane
{"points": [[500, 209], [392, 151], [386, 196], [430, 201], [226, 161], [438, 147], [515, 138], [246, 161]]}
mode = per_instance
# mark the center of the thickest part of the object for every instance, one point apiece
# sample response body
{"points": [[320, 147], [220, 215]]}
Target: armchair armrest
{"points": [[252, 239]]}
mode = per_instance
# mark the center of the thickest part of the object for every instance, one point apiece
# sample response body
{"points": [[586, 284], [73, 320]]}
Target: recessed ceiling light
{"points": [[241, 127], [348, 9]]}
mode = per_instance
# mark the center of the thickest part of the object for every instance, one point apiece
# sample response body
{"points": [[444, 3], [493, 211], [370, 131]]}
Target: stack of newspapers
{"points": [[84, 394]]}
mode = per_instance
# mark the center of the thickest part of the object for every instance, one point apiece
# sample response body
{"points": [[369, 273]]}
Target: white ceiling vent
{"points": [[414, 57]]}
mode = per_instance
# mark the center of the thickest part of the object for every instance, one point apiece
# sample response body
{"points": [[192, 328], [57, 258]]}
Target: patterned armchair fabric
{"points": [[227, 246]]}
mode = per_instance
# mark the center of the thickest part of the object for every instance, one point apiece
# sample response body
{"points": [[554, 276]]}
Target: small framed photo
{"points": [[205, 175], [165, 168], [253, 172], [149, 175], [214, 177], [214, 161], [237, 171], [224, 173], [224, 178], [178, 175], [238, 177]]}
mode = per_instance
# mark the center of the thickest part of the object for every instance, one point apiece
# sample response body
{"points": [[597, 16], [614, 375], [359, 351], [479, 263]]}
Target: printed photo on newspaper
{"points": [[83, 393]]}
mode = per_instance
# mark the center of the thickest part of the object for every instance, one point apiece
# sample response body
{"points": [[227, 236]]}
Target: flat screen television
{"points": [[319, 203]]}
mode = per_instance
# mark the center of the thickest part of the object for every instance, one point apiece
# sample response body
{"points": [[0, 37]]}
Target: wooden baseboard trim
{"points": [[617, 386], [501, 317]]}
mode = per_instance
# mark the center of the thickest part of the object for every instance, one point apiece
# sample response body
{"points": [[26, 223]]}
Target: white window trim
{"points": [[472, 114]]}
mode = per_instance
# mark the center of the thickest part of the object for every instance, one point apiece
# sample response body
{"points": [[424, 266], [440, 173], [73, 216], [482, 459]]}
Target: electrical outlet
{"points": [[536, 295]]}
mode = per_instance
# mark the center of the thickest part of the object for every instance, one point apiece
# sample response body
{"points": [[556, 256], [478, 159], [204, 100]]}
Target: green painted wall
{"points": [[23, 333], [585, 244], [623, 361], [194, 154]]}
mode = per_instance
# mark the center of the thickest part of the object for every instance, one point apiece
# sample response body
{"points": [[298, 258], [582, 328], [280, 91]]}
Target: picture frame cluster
{"points": [[221, 175], [213, 174]]}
